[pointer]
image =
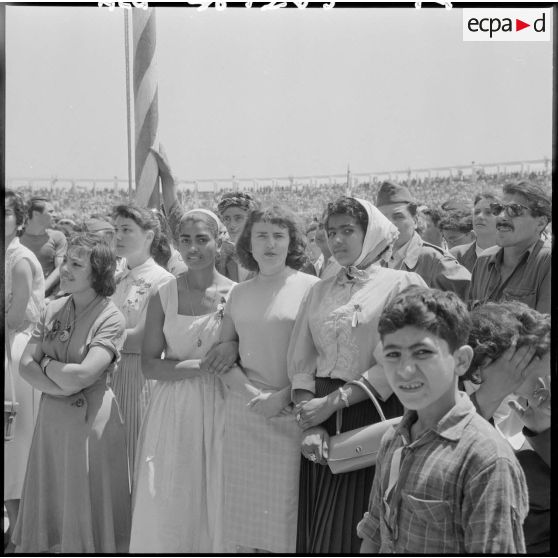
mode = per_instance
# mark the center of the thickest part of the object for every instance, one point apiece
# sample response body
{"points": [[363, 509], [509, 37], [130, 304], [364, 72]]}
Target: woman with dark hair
{"points": [[178, 476], [262, 441], [511, 366], [76, 496], [139, 239], [332, 344], [24, 295]]}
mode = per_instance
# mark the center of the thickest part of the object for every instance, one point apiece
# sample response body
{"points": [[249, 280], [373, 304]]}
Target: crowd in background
{"points": [[181, 373]]}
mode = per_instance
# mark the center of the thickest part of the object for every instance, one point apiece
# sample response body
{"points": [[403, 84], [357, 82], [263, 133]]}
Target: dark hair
{"points": [[313, 226], [146, 220], [103, 260], [496, 325], [36, 203], [18, 205], [485, 196], [442, 313], [347, 206], [242, 200], [435, 213], [457, 220], [282, 217], [540, 203]]}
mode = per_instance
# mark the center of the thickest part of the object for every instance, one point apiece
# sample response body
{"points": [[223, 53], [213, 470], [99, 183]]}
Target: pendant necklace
{"points": [[199, 341], [64, 335]]}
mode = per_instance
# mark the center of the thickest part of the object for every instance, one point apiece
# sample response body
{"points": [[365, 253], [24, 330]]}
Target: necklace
{"points": [[199, 341], [65, 334]]}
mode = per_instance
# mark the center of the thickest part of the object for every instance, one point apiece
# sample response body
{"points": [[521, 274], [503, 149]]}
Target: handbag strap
{"points": [[364, 387], [10, 365]]}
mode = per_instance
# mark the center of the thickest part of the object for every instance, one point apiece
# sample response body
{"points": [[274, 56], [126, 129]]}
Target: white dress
{"points": [[177, 497]]}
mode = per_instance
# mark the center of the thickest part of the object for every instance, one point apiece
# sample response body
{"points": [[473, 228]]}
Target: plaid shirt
{"points": [[460, 490]]}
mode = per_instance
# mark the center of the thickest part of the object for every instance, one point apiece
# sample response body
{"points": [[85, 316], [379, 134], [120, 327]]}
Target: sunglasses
{"points": [[511, 209]]}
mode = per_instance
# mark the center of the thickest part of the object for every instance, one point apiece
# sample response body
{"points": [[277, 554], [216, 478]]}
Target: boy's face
{"points": [[421, 369]]}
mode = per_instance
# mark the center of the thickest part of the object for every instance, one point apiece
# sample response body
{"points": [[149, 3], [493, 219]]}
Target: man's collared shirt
{"points": [[460, 489], [529, 282], [439, 269]]}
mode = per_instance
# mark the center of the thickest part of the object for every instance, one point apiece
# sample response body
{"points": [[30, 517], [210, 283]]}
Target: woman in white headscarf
{"points": [[177, 494], [332, 343]]}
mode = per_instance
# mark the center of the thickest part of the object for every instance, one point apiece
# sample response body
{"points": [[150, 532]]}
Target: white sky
{"points": [[289, 92]]}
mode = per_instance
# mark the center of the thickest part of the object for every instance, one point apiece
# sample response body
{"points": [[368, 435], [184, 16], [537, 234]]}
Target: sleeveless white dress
{"points": [[177, 496]]}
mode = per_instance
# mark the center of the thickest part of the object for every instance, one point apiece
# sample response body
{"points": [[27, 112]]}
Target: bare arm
{"points": [[168, 185], [22, 281], [32, 373], [153, 367]]}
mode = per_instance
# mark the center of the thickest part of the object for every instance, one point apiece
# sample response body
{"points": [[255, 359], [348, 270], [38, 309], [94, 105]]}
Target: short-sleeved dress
{"points": [[177, 496], [17, 450], [134, 287], [76, 496], [261, 456]]}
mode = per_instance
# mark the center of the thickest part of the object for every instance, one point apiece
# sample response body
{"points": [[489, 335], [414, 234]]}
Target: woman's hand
{"points": [[221, 357], [162, 162], [534, 412], [269, 404], [314, 412], [315, 445]]}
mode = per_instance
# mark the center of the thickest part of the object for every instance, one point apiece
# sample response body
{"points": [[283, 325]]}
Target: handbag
{"points": [[10, 406], [358, 448]]}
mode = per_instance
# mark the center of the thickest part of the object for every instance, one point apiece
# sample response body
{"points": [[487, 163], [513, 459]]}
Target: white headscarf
{"points": [[380, 234], [222, 230]]}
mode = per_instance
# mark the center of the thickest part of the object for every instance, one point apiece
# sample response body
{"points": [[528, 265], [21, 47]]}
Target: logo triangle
{"points": [[519, 25]]}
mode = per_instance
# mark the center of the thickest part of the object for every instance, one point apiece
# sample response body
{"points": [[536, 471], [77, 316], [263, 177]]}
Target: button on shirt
{"points": [[529, 282], [460, 489]]}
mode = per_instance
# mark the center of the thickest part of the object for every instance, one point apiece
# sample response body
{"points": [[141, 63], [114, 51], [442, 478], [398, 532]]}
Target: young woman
{"points": [[76, 496], [24, 295], [139, 239], [332, 343], [179, 466], [511, 362], [262, 441]]}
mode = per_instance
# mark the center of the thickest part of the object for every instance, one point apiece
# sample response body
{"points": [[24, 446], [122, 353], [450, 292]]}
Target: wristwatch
{"points": [[44, 363]]}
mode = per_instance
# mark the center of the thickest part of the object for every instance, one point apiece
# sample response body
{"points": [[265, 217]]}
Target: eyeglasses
{"points": [[511, 209]]}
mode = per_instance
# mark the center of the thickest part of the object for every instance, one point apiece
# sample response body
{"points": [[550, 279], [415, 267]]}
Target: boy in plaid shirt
{"points": [[446, 481]]}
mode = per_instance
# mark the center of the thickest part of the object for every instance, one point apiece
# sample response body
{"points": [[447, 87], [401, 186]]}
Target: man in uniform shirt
{"points": [[438, 268], [47, 244], [518, 267]]}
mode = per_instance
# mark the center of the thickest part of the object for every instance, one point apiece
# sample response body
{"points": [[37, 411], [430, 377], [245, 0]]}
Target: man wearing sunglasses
{"points": [[518, 267]]}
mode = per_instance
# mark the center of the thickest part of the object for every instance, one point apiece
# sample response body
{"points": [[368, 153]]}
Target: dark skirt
{"points": [[330, 506]]}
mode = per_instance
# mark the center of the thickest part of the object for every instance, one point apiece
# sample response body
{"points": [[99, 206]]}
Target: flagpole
{"points": [[128, 103]]}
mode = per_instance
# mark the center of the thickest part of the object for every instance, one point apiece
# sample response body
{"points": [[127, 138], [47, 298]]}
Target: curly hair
{"points": [[243, 200], [457, 220], [347, 206], [18, 205], [282, 217], [442, 313], [147, 220], [496, 325], [103, 260]]}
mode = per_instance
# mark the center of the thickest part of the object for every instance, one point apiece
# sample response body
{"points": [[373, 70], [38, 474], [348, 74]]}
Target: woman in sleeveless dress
{"points": [[76, 495], [138, 239], [177, 497], [262, 440], [24, 300]]}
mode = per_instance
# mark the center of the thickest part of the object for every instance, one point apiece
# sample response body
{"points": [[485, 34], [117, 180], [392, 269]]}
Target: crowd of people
{"points": [[179, 376]]}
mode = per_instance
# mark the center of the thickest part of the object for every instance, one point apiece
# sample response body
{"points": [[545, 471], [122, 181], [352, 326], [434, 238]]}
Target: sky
{"points": [[284, 93]]}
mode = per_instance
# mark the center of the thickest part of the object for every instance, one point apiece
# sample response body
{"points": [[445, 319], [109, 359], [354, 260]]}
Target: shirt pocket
{"points": [[429, 511], [527, 296]]}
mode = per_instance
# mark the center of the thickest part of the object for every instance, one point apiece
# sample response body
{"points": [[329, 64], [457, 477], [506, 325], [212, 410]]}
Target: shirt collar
{"points": [[412, 251], [450, 426], [139, 269], [498, 255]]}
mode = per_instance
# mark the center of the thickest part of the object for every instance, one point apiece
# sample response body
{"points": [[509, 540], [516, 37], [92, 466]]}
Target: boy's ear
{"points": [[463, 357]]}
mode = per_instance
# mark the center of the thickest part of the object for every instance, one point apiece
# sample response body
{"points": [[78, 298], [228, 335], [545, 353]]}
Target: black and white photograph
{"points": [[277, 277]]}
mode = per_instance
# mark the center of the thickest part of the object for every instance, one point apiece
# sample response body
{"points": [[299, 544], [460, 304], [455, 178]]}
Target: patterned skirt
{"points": [[330, 506]]}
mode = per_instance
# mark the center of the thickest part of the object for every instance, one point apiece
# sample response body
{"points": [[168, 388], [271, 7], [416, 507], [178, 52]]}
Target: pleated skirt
{"points": [[133, 392], [330, 506]]}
